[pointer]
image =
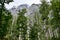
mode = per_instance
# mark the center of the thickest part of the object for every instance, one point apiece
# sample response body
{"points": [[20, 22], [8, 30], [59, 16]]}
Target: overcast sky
{"points": [[19, 2]]}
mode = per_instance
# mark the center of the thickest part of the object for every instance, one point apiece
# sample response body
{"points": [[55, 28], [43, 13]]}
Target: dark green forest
{"points": [[46, 26]]}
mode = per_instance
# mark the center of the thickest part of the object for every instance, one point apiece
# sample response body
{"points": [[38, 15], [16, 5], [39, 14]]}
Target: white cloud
{"points": [[19, 2]]}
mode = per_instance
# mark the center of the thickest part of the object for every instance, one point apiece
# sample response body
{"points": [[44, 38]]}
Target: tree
{"points": [[4, 18], [55, 7], [52, 22], [44, 12], [22, 24], [35, 28], [34, 32]]}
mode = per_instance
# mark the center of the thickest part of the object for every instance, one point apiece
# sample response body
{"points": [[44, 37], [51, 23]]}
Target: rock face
{"points": [[30, 9]]}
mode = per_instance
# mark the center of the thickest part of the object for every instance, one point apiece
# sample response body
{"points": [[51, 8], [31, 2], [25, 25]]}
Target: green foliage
{"points": [[22, 23], [5, 1], [44, 9], [34, 32], [19, 27], [5, 16], [56, 9]]}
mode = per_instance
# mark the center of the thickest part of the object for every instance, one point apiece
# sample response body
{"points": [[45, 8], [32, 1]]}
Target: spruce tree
{"points": [[4, 18], [22, 24], [55, 7]]}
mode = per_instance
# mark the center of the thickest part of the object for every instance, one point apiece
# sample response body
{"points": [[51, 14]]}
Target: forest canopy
{"points": [[42, 23]]}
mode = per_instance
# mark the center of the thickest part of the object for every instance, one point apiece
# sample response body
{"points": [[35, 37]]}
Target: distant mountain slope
{"points": [[30, 9]]}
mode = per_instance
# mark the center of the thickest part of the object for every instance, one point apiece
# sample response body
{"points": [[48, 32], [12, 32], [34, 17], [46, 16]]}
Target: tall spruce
{"points": [[44, 11], [4, 18], [22, 24], [55, 7]]}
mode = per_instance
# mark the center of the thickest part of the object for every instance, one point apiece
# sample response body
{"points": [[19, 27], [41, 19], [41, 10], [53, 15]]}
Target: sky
{"points": [[19, 2]]}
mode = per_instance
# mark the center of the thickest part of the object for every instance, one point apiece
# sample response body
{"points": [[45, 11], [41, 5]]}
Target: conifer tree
{"points": [[4, 18], [55, 7], [22, 24], [44, 11]]}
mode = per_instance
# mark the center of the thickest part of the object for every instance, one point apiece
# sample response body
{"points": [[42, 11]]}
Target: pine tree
{"points": [[35, 28], [34, 32], [55, 7], [4, 18], [44, 12], [22, 24]]}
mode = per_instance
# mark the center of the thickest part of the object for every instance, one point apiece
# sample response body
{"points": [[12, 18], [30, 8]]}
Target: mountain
{"points": [[30, 9]]}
